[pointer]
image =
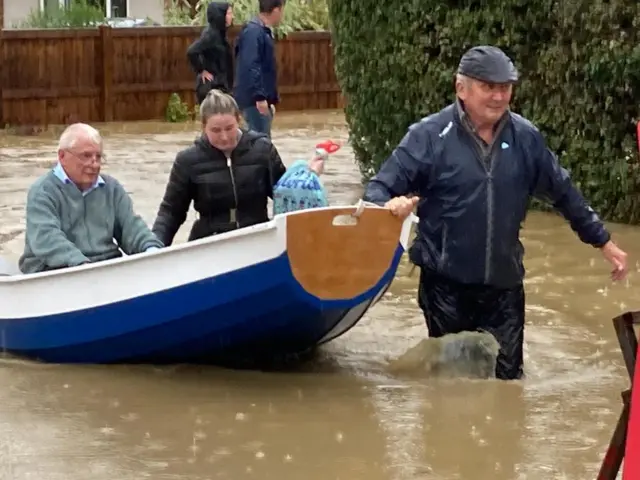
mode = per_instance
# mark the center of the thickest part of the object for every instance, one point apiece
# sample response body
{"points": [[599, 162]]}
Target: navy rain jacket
{"points": [[256, 70], [471, 214]]}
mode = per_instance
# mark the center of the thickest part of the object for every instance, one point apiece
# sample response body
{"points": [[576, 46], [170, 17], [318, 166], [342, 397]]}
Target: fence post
{"points": [[105, 72]]}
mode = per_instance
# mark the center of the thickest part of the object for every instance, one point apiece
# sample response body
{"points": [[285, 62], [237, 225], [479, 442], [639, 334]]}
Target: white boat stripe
{"points": [[121, 279]]}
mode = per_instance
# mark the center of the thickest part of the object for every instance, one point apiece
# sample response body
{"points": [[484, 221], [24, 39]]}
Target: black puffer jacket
{"points": [[226, 193]]}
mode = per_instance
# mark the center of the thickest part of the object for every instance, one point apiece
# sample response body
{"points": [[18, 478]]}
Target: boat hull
{"points": [[261, 312], [220, 325]]}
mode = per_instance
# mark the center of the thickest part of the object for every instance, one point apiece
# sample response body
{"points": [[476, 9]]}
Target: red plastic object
{"points": [[329, 146], [631, 457]]}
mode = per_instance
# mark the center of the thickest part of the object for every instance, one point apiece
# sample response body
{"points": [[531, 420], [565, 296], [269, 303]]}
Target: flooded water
{"points": [[343, 417]]}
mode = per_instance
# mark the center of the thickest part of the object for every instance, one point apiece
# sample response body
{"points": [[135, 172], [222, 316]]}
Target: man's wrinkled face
{"points": [[484, 102], [82, 162]]}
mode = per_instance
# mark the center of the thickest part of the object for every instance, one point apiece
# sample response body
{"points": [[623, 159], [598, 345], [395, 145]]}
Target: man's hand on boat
{"points": [[616, 257], [402, 206]]}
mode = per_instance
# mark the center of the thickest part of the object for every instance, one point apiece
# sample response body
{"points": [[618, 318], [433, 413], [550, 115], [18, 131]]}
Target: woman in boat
{"points": [[228, 173], [210, 55]]}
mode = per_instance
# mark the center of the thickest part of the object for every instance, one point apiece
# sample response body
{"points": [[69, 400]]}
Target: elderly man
{"points": [[473, 167], [74, 213]]}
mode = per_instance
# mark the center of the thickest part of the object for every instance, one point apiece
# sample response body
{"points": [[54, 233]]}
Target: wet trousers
{"points": [[452, 307]]}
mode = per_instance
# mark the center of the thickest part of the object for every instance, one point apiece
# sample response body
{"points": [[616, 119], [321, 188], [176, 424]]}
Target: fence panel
{"points": [[125, 74]]}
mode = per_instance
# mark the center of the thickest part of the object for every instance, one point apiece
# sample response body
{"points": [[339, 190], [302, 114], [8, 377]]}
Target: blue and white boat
{"points": [[274, 289]]}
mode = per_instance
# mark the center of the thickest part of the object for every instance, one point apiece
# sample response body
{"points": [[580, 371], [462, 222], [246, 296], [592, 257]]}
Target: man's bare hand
{"points": [[616, 257], [402, 206], [263, 107]]}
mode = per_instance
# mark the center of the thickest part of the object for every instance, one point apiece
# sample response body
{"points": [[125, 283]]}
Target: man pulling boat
{"points": [[474, 166]]}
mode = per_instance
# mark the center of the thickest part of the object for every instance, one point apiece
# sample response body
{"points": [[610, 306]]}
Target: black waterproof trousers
{"points": [[452, 307]]}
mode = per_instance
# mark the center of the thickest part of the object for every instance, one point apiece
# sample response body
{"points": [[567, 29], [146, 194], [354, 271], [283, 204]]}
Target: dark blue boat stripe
{"points": [[204, 316]]}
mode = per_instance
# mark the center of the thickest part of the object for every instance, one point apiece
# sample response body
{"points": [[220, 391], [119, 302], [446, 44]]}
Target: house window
{"points": [[111, 8], [50, 6], [118, 8]]}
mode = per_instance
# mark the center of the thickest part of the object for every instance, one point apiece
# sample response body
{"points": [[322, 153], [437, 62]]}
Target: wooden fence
{"points": [[126, 74]]}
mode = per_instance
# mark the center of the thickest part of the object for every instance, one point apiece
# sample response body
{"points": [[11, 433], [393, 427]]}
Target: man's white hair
{"points": [[466, 81], [75, 132]]}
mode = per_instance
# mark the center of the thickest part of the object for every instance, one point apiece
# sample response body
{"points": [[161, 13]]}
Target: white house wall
{"points": [[154, 9], [16, 11]]}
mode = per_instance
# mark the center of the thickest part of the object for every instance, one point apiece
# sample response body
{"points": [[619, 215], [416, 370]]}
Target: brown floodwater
{"points": [[344, 416]]}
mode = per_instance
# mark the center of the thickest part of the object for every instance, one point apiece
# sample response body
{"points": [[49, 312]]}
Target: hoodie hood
{"points": [[216, 16]]}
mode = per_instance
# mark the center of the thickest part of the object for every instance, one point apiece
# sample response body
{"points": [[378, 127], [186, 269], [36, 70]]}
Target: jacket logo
{"points": [[504, 145], [445, 130]]}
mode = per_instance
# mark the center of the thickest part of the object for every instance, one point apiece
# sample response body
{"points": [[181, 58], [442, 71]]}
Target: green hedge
{"points": [[579, 63]]}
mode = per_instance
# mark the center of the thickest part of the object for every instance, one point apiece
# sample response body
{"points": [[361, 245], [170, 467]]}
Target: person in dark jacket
{"points": [[256, 89], [473, 168], [228, 173], [210, 56]]}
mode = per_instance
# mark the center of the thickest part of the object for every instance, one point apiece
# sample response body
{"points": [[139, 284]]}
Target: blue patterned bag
{"points": [[298, 189]]}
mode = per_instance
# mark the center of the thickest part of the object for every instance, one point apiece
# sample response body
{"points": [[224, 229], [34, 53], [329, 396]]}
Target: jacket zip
{"points": [[233, 213], [488, 249], [491, 157], [443, 250]]}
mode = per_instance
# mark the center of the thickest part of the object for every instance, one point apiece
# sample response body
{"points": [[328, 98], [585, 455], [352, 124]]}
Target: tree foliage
{"points": [[298, 14], [579, 63]]}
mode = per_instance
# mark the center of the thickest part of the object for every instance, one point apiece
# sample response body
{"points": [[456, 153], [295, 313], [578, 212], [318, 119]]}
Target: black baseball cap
{"points": [[488, 64]]}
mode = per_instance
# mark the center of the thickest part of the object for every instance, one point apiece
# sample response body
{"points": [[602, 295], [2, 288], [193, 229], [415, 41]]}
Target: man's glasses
{"points": [[88, 157]]}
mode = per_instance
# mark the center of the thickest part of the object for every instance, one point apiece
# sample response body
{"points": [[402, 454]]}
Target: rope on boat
{"points": [[361, 205]]}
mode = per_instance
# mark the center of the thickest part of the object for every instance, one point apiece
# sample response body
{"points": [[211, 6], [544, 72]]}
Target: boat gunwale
{"points": [[273, 224]]}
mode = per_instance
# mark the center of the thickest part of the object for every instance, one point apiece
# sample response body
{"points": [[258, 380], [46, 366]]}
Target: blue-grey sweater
{"points": [[66, 228]]}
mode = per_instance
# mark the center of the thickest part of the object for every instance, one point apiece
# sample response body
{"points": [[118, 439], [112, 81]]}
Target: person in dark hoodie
{"points": [[228, 173], [210, 55], [256, 89]]}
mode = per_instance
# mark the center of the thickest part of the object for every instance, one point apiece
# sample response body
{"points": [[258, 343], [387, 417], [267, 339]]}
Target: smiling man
{"points": [[74, 213], [473, 168]]}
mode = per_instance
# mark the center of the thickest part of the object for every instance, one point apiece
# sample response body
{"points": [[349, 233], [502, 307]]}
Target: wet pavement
{"points": [[343, 416]]}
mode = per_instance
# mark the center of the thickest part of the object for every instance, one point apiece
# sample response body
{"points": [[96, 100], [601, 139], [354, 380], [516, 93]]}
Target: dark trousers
{"points": [[452, 307]]}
